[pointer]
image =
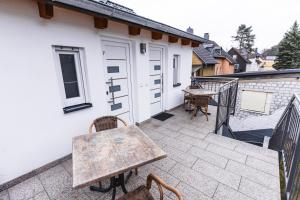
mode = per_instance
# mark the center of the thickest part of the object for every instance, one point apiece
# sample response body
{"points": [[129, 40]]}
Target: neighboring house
{"points": [[67, 62], [210, 59], [258, 63], [241, 58], [269, 61]]}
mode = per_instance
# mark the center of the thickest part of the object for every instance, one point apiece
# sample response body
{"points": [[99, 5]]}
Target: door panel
{"points": [[155, 66], [155, 95], [156, 80], [117, 77]]}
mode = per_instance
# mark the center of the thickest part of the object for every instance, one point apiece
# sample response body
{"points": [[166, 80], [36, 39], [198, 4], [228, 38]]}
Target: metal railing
{"points": [[226, 89], [286, 140]]}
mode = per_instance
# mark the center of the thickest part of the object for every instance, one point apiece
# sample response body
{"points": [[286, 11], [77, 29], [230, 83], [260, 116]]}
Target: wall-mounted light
{"points": [[143, 48]]}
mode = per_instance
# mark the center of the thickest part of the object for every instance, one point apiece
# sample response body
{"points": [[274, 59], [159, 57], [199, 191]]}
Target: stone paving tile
{"points": [[181, 157], [164, 132], [202, 183], [249, 148], [263, 166], [40, 196], [227, 193], [176, 144], [172, 126], [189, 193], [221, 141], [192, 133], [57, 182], [153, 134], [217, 173], [257, 191], [165, 164], [257, 152], [252, 174], [187, 124], [209, 157], [4, 195], [68, 166], [230, 154], [26, 189], [193, 141]]}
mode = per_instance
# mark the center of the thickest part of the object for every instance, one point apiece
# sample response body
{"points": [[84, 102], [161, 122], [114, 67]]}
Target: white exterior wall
{"points": [[34, 130]]}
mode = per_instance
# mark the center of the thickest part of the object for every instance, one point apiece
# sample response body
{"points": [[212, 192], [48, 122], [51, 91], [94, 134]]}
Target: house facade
{"points": [[67, 62], [241, 58], [210, 59]]}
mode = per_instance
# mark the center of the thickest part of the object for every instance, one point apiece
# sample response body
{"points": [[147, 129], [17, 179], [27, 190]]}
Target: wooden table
{"points": [[111, 153], [203, 92], [198, 92]]}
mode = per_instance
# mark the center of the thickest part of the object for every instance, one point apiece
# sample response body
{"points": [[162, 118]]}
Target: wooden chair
{"points": [[198, 102], [105, 123], [143, 192]]}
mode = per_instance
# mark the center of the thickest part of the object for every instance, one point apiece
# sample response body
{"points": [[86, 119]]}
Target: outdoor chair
{"points": [[199, 102], [143, 192], [105, 123]]}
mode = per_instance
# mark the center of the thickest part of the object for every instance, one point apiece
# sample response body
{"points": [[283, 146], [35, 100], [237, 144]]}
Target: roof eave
{"points": [[98, 9]]}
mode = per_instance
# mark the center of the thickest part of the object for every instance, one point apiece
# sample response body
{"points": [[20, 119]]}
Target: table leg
{"points": [[122, 183], [204, 112], [128, 176], [114, 183], [101, 189]]}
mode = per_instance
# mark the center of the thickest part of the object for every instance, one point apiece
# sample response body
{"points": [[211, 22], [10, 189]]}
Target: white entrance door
{"points": [[117, 76], [156, 80]]}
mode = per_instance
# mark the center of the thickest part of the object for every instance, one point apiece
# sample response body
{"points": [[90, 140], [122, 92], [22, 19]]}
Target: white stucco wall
{"points": [[34, 130]]}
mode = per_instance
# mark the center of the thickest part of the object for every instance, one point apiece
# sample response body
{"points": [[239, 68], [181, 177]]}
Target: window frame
{"points": [[176, 70], [80, 74]]}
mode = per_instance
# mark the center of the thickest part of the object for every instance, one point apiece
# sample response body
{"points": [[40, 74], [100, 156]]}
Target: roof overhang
{"points": [[104, 12]]}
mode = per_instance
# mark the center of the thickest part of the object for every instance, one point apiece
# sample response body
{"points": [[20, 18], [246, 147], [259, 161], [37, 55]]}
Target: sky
{"points": [[270, 19]]}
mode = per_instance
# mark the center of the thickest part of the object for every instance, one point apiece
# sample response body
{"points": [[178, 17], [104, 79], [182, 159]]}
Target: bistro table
{"points": [[199, 92], [203, 92], [109, 154]]}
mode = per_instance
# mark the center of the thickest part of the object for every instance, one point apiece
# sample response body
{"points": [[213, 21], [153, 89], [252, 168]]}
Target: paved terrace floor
{"points": [[200, 164]]}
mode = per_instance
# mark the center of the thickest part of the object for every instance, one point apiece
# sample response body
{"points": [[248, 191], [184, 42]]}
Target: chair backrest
{"points": [[200, 100], [195, 86], [105, 123]]}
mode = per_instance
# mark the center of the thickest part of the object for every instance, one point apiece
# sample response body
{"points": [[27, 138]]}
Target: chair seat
{"points": [[141, 193]]}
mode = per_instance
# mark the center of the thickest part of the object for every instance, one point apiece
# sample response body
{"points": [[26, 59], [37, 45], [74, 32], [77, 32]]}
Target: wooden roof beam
{"points": [[45, 9], [172, 39], [156, 35], [134, 30], [185, 42], [100, 22], [195, 44]]}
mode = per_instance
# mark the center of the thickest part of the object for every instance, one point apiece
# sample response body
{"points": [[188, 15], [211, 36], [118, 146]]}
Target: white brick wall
{"points": [[282, 90]]}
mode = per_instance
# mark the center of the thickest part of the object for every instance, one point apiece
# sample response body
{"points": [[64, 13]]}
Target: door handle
{"points": [[106, 92]]}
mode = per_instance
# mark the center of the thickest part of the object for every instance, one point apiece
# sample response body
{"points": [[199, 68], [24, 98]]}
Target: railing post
{"points": [[218, 111], [294, 166]]}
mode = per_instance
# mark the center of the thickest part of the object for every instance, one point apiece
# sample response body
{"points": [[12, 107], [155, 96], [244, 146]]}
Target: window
{"points": [[256, 101], [71, 75], [176, 60], [234, 57]]}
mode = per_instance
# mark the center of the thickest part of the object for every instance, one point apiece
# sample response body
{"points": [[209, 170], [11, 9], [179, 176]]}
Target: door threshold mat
{"points": [[163, 116]]}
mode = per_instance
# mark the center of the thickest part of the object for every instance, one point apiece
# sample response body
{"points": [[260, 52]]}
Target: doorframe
{"points": [[164, 70], [127, 43]]}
